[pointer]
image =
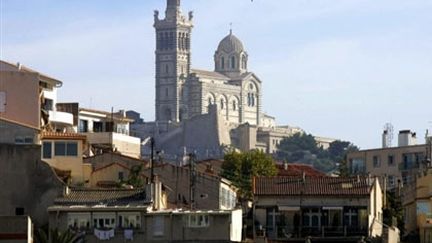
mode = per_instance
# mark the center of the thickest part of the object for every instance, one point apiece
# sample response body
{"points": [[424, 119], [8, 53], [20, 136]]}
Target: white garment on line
{"points": [[128, 234]]}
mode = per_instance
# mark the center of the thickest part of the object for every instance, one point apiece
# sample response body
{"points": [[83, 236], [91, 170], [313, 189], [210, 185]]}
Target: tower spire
{"points": [[231, 28]]}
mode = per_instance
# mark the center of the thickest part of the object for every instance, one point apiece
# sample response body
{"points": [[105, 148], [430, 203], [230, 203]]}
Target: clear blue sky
{"points": [[337, 68]]}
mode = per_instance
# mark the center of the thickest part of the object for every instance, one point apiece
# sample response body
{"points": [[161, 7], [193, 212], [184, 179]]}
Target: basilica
{"points": [[206, 111]]}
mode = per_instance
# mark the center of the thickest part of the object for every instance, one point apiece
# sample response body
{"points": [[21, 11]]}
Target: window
{"points": [[72, 149], [83, 126], [60, 149], [120, 176], [79, 220], [2, 101], [47, 150], [222, 104], [104, 220], [23, 140], [197, 221], [376, 161], [222, 62], [97, 126], [351, 217], [48, 104], [233, 63], [158, 225], [66, 149], [19, 211], [234, 105], [129, 220], [390, 160], [357, 166]]}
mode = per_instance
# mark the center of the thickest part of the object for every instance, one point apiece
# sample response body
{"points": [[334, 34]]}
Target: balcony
{"points": [[126, 145], [60, 117], [291, 232]]}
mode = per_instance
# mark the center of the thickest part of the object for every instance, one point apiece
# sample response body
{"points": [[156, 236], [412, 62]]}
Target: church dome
{"points": [[230, 43]]}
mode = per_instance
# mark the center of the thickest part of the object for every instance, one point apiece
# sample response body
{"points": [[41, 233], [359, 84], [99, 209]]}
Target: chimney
{"points": [[407, 138], [19, 65], [385, 139]]}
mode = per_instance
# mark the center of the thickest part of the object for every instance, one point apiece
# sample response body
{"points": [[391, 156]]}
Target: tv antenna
{"points": [[388, 132]]}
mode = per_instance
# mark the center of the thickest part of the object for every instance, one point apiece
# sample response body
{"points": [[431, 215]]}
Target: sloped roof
{"points": [[311, 186], [209, 166], [19, 67], [298, 170], [88, 197], [209, 74], [109, 165]]}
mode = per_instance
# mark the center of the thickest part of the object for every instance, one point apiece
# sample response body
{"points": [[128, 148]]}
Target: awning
{"points": [[332, 208], [288, 208]]}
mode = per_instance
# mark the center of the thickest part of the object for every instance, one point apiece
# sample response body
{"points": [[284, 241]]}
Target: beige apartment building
{"points": [[395, 165], [29, 97], [63, 151], [399, 164], [417, 203]]}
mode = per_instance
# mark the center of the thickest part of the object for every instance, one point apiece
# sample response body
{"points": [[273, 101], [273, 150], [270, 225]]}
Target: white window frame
{"points": [[198, 220], [130, 219], [82, 220]]}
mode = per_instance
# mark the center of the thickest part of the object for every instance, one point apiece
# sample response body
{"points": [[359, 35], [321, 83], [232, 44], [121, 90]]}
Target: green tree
{"points": [[393, 214], [303, 148], [240, 168], [135, 178]]}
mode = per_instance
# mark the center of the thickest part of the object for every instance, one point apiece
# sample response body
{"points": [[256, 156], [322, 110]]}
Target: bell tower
{"points": [[173, 58]]}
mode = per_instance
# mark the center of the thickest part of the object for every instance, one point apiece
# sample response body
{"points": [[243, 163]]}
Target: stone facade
{"points": [[182, 92], [187, 99]]}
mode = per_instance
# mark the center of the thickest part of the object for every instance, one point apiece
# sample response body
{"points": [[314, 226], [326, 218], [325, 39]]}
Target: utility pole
{"points": [[192, 175], [152, 160]]}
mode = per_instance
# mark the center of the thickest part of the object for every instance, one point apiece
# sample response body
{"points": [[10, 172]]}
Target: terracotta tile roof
{"points": [[311, 186], [88, 197], [109, 165], [209, 166], [117, 154], [298, 170], [62, 136]]}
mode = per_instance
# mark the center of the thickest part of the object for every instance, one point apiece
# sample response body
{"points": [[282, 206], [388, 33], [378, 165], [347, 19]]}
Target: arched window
{"points": [[223, 63], [222, 105], [234, 105], [243, 61], [233, 62], [210, 101]]}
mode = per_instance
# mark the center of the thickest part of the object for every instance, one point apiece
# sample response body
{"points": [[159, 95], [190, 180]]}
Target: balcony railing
{"points": [[287, 232]]}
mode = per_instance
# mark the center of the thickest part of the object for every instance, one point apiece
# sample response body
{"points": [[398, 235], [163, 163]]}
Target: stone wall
{"points": [[27, 182]]}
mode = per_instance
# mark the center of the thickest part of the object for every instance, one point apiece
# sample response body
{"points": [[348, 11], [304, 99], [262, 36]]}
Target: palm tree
{"points": [[56, 236]]}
